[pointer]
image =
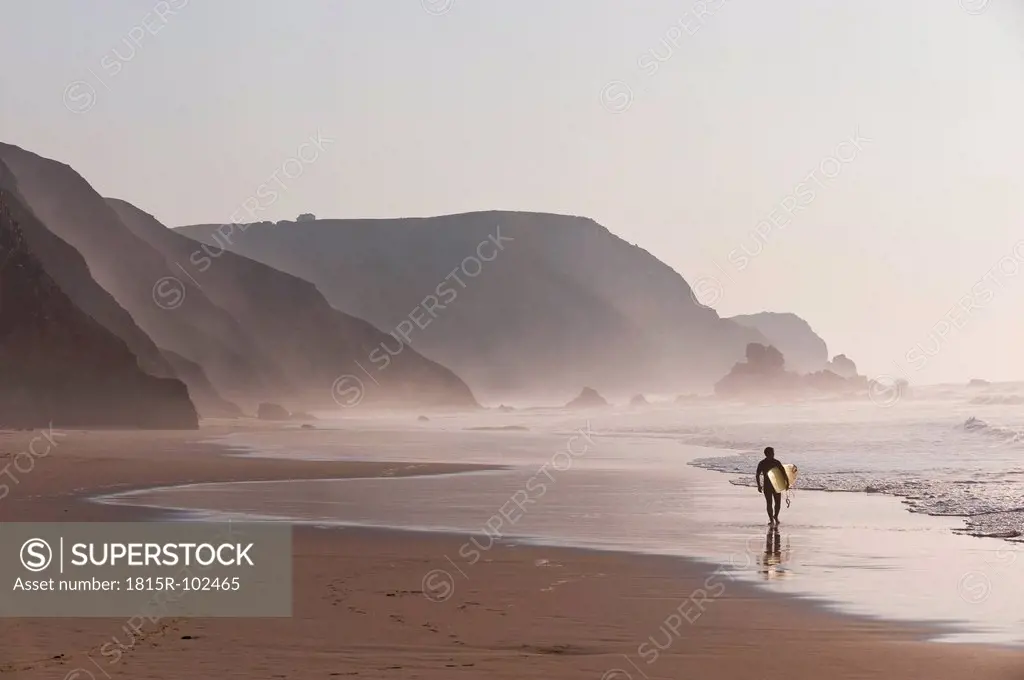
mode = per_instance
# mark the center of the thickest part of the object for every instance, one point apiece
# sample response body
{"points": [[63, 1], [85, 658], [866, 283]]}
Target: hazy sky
{"points": [[680, 126]]}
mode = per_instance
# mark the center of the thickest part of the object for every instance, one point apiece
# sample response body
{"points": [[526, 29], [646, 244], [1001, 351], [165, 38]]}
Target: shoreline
{"points": [[569, 612], [845, 555]]}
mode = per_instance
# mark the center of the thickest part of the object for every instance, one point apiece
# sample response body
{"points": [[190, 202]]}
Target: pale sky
{"points": [[578, 107]]}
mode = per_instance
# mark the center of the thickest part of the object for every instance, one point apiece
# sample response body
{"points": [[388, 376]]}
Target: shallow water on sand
{"points": [[625, 482]]}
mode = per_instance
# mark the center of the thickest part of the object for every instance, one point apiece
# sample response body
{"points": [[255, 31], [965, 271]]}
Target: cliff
{"points": [[238, 330], [805, 350], [65, 208], [59, 365], [514, 302], [325, 354]]}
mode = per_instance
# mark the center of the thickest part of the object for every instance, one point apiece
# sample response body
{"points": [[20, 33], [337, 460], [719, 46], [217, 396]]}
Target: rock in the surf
{"points": [[270, 411], [588, 398]]}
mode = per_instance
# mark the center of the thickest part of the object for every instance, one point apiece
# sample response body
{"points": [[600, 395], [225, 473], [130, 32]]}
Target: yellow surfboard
{"points": [[782, 483]]}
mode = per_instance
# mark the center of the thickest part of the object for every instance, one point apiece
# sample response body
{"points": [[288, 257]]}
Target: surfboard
{"points": [[779, 483]]}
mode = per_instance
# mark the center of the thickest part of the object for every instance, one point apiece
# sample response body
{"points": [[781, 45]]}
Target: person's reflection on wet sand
{"points": [[772, 557]]}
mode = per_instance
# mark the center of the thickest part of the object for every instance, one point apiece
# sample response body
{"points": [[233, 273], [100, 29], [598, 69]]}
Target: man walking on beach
{"points": [[771, 496]]}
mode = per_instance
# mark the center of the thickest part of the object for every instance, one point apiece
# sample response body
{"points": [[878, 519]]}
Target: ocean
{"points": [[910, 511]]}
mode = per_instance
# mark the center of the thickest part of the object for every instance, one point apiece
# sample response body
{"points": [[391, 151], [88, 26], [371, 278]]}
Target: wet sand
{"points": [[851, 551], [371, 603]]}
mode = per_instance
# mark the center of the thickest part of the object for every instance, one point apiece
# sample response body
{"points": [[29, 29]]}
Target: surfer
{"points": [[771, 496]]}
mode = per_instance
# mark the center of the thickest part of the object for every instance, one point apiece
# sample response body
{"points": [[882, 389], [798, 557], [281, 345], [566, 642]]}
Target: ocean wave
{"points": [[1007, 525], [998, 399], [978, 425], [713, 442], [989, 503]]}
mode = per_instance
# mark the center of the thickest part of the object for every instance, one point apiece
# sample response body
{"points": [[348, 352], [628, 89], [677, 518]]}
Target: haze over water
{"points": [[924, 473]]}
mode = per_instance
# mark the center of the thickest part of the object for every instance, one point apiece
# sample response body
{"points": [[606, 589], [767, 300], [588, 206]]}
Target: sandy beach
{"points": [[361, 608]]}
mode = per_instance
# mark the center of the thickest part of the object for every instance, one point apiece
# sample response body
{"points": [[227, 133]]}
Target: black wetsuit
{"points": [[770, 494]]}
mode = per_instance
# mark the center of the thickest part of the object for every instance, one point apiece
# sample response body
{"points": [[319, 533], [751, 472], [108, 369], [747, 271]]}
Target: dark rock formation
{"points": [[639, 401], [826, 381], [978, 382], [516, 303], [843, 366], [269, 411], [588, 398], [805, 350], [423, 419], [291, 324], [306, 217], [764, 374], [59, 365]]}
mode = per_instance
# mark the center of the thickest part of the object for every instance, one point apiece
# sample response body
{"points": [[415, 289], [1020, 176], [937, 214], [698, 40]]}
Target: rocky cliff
{"points": [[512, 301], [805, 350], [237, 331], [72, 275], [59, 365], [326, 354]]}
